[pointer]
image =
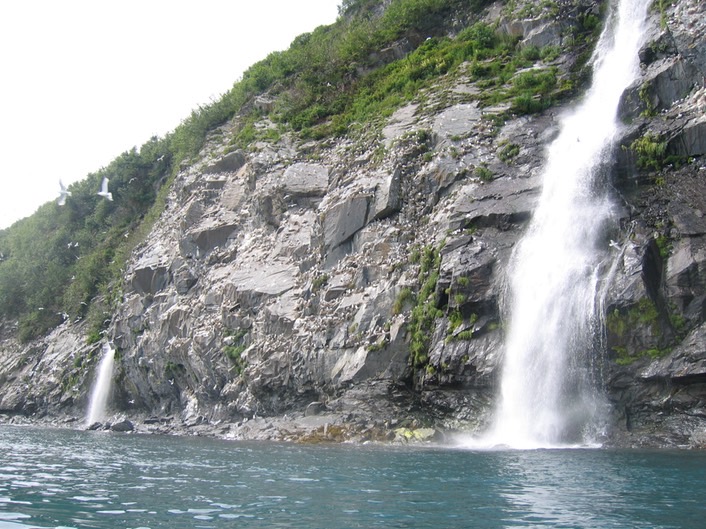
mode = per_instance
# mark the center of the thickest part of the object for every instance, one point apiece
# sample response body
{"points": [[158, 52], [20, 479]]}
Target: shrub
{"points": [[650, 151], [508, 152], [483, 173]]}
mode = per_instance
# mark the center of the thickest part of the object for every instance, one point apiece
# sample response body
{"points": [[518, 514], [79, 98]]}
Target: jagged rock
{"points": [[211, 234], [498, 204], [184, 279], [342, 220], [358, 364], [388, 196], [252, 284], [305, 179], [686, 364], [659, 48], [668, 80], [690, 141], [548, 34], [151, 273], [237, 190], [270, 283], [264, 104], [150, 280], [296, 236], [230, 163], [271, 208], [401, 122], [122, 426], [457, 120]]}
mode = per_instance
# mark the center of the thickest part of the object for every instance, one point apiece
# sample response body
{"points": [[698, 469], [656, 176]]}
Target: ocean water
{"points": [[64, 478]]}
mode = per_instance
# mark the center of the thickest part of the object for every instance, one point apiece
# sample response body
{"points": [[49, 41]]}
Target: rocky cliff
{"points": [[354, 288]]}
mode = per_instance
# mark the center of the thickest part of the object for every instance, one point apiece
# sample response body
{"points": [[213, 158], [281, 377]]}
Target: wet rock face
{"points": [[290, 278], [656, 306]]}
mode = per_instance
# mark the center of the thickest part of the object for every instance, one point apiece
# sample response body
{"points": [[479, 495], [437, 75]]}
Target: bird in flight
{"points": [[63, 193], [104, 189]]}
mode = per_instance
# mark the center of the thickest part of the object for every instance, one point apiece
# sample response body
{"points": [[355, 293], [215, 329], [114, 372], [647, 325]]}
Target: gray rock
{"points": [[659, 48], [667, 81], [499, 204], [305, 179], [342, 220], [457, 120], [150, 280], [230, 163], [212, 234], [122, 426], [388, 196], [690, 141], [184, 279], [687, 363]]}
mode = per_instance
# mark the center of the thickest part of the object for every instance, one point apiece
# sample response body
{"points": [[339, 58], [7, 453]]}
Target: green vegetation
{"points": [[426, 311], [483, 173], [508, 152], [405, 296], [68, 262], [664, 245], [319, 282], [624, 359], [58, 260], [644, 95], [455, 320], [643, 314], [661, 6], [650, 151], [234, 350], [173, 370]]}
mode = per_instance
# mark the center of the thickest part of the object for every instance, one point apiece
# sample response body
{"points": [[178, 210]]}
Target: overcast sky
{"points": [[85, 80]]}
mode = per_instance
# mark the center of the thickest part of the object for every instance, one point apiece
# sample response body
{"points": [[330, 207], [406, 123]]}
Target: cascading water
{"points": [[548, 395], [101, 386]]}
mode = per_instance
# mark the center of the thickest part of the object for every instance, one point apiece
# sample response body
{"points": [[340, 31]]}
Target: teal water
{"points": [[63, 478]]}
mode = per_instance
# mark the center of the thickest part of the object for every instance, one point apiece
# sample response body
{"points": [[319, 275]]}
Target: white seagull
{"points": [[104, 189], [63, 193]]}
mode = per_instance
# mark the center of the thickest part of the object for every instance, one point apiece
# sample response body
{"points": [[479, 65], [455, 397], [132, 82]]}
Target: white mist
{"points": [[548, 393]]}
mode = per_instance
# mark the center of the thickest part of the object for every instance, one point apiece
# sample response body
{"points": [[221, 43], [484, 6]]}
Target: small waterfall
{"points": [[549, 396], [101, 386]]}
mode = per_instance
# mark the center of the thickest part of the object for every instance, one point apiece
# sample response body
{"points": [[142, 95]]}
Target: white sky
{"points": [[82, 81]]}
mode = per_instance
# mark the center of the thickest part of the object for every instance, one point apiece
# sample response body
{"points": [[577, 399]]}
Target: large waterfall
{"points": [[549, 395]]}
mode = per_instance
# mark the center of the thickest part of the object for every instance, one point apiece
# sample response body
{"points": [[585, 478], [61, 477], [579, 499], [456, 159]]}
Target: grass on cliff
{"points": [[55, 264]]}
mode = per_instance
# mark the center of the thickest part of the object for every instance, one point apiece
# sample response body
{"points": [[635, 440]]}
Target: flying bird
{"points": [[104, 189], [63, 193]]}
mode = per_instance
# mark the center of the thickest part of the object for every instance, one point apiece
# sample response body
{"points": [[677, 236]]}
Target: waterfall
{"points": [[101, 386], [548, 394]]}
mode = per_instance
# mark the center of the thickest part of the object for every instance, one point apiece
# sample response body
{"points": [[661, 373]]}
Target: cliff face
{"points": [[356, 286]]}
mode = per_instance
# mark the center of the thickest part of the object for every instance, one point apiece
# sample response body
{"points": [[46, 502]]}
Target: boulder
{"points": [[498, 204], [659, 48], [211, 234], [686, 363], [305, 180], [666, 82], [150, 279], [122, 426], [342, 220], [690, 141], [230, 163], [151, 272], [388, 196], [457, 120]]}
